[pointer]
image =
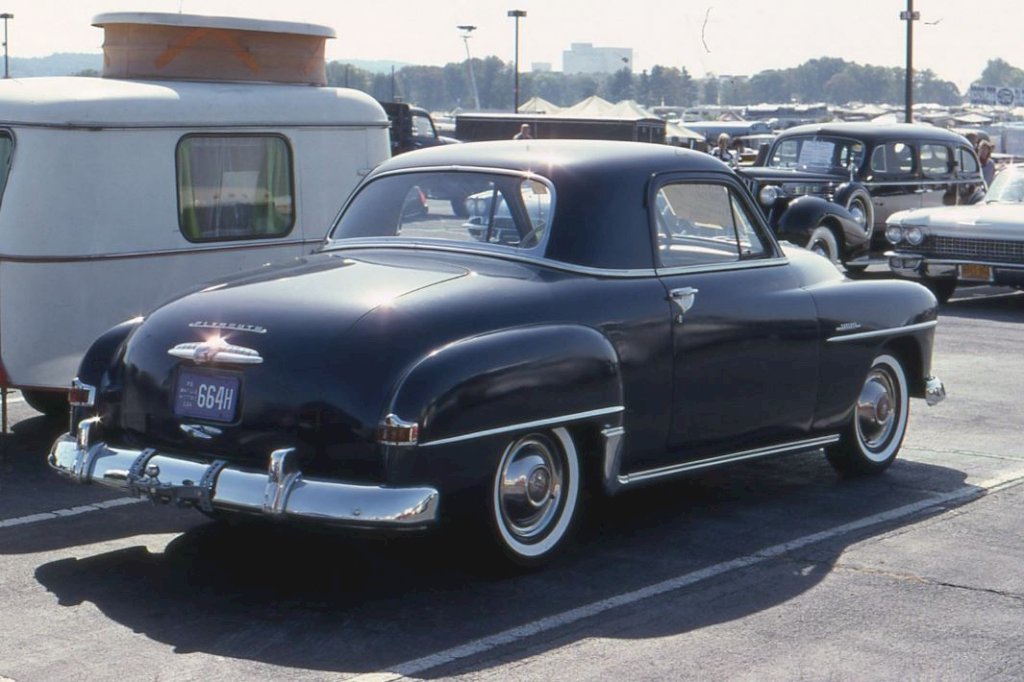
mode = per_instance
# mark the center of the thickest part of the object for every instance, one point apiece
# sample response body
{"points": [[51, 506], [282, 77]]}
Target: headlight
{"points": [[894, 233], [914, 235], [768, 195]]}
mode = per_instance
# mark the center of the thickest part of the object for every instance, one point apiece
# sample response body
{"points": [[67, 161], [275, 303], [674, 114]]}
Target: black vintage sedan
{"points": [[831, 187], [637, 322]]}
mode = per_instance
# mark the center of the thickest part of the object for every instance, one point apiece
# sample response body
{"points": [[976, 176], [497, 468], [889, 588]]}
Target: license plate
{"points": [[976, 273], [206, 394]]}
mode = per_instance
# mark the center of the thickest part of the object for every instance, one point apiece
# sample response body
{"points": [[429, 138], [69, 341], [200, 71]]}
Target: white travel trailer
{"points": [[210, 145]]}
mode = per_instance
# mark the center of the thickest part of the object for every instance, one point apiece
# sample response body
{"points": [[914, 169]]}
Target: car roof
{"points": [[551, 158], [600, 189], [873, 132]]}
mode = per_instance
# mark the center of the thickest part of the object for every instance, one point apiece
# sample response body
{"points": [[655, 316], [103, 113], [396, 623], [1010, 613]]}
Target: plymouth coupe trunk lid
{"points": [[220, 372]]}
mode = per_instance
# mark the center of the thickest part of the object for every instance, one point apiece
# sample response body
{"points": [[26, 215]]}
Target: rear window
{"points": [[234, 187], [480, 208]]}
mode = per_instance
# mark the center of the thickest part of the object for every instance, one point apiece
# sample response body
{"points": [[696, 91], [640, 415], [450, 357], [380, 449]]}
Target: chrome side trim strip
{"points": [[651, 474], [924, 183], [253, 243], [344, 245], [526, 425], [884, 332], [723, 267]]}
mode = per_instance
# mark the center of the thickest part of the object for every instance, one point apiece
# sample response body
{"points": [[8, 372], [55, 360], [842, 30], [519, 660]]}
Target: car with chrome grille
{"points": [[830, 187], [980, 244], [632, 320]]}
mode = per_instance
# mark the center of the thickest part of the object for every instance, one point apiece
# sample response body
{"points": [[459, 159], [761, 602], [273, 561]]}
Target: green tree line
{"points": [[829, 80]]}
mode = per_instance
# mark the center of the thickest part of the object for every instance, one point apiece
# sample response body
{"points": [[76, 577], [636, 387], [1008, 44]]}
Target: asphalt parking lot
{"points": [[769, 570]]}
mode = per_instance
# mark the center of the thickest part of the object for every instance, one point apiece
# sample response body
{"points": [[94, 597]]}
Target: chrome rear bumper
{"points": [[281, 490]]}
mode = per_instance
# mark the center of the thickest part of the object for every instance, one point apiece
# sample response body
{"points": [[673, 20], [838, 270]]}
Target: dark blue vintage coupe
{"points": [[602, 316]]}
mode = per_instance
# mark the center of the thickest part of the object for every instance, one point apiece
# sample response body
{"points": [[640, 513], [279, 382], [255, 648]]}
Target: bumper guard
{"points": [[281, 490]]}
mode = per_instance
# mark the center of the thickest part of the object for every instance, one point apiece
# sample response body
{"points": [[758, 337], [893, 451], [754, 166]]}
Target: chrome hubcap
{"points": [[859, 214], [877, 410], [530, 487]]}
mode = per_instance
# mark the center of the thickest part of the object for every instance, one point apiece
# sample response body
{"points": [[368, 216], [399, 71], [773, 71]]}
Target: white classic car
{"points": [[978, 244]]}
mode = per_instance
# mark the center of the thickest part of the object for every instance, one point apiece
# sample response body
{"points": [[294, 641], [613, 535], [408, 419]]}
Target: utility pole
{"points": [[910, 16], [466, 31], [517, 14], [7, 70]]}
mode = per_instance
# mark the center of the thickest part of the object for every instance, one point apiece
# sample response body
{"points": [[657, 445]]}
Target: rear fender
{"points": [[487, 389], [98, 367]]}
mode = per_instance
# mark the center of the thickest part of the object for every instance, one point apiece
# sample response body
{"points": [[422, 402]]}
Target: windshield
{"points": [[1008, 187], [817, 153], [508, 210]]}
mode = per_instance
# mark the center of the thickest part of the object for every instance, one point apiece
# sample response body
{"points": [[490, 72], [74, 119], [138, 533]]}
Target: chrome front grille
{"points": [[960, 248]]}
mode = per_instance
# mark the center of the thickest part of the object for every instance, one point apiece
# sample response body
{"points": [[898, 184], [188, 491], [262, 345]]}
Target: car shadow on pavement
{"points": [[323, 601]]}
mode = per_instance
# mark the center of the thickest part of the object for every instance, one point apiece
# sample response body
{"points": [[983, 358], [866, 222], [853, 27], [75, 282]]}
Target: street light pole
{"points": [[5, 16], [466, 30], [517, 14], [910, 16]]}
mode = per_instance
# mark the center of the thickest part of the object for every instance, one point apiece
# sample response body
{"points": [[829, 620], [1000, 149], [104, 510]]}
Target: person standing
{"points": [[524, 133], [988, 166], [722, 151]]}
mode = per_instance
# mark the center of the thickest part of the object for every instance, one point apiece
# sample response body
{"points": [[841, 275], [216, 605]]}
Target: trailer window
{"points": [[234, 187], [6, 146]]}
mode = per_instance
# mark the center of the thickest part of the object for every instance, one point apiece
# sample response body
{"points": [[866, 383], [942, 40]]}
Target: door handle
{"points": [[684, 299]]}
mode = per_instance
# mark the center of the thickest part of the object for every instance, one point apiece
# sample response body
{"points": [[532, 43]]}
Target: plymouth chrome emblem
{"points": [[228, 326], [849, 326], [216, 350], [201, 431]]}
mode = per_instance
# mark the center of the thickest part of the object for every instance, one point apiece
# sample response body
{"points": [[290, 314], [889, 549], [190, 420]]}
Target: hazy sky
{"points": [[954, 38]]}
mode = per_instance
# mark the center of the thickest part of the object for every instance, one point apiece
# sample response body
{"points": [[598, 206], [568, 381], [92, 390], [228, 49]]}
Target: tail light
{"points": [[395, 431]]}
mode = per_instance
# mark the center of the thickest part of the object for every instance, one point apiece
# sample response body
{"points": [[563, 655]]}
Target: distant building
{"points": [[540, 67], [585, 58]]}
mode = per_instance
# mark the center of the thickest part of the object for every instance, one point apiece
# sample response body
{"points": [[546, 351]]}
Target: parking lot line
{"points": [[522, 632], [72, 511]]}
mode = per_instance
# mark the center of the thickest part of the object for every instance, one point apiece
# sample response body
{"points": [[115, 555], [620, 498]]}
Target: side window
{"points": [[422, 126], [878, 160], [234, 187], [935, 160], [893, 158], [785, 154], [703, 224], [968, 163], [750, 243]]}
